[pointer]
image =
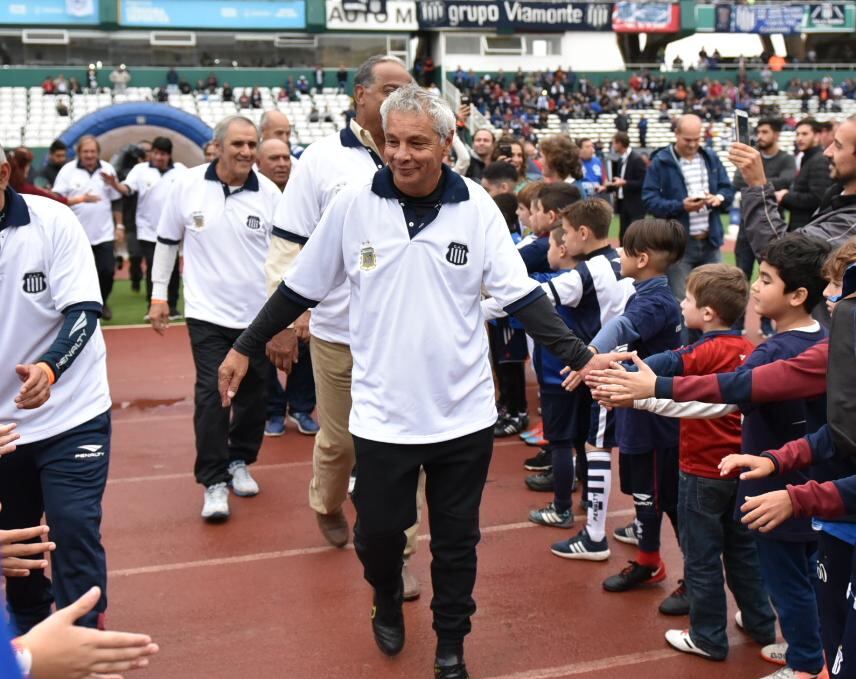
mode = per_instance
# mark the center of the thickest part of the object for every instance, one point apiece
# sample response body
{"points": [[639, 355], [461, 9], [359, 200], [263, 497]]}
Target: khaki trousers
{"points": [[333, 454]]}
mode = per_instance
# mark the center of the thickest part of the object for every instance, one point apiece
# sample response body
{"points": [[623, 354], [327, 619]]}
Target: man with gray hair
{"points": [[416, 246], [223, 212], [351, 156]]}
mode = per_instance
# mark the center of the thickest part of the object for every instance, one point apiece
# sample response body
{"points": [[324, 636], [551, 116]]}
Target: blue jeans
{"points": [[298, 396], [789, 570], [711, 538]]}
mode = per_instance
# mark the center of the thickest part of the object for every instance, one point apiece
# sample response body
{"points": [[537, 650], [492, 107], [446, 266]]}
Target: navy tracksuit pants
{"points": [[62, 477]]}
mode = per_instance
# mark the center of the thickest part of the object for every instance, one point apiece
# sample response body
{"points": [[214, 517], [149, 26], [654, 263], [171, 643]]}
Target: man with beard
{"points": [[803, 196]]}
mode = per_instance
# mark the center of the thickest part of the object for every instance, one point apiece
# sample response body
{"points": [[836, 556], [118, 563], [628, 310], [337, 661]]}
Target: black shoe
{"points": [[541, 483], [542, 462], [677, 603], [507, 427], [450, 667], [388, 622], [633, 576]]}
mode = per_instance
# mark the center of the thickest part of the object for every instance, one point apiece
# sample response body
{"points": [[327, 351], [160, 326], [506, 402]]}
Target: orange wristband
{"points": [[158, 301], [48, 371]]}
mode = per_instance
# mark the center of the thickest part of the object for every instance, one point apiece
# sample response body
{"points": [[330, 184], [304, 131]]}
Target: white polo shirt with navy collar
{"points": [[46, 266], [152, 187], [325, 168], [226, 233], [421, 369], [97, 218]]}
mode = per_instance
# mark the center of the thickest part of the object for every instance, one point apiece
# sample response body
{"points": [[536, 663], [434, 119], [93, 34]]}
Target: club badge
{"points": [[457, 254], [368, 259], [198, 219]]}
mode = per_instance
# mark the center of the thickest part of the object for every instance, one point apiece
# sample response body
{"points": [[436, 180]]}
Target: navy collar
{"points": [[605, 251], [251, 184], [655, 282], [454, 189], [16, 211], [349, 140], [81, 167], [717, 333]]}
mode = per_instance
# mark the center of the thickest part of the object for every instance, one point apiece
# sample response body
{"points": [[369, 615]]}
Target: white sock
{"points": [[599, 484]]}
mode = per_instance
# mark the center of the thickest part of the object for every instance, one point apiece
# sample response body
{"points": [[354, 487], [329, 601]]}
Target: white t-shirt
{"points": [[46, 266], [152, 189], [325, 168], [225, 243], [421, 371], [97, 218]]}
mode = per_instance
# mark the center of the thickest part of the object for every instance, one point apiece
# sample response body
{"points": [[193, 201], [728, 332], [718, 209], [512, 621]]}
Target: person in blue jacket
{"points": [[690, 184]]}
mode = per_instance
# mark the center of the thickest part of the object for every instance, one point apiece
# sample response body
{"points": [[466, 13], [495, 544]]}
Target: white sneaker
{"points": [[738, 619], [680, 640], [775, 653], [790, 673], [216, 507], [243, 484]]}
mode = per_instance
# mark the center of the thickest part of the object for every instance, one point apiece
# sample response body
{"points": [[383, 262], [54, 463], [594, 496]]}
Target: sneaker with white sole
{"points": [[790, 673], [626, 534], [774, 653], [243, 484], [216, 505], [582, 547], [550, 516], [738, 619], [681, 640]]}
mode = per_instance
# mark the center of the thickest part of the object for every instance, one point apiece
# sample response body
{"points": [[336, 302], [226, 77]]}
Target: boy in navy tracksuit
{"points": [[650, 323]]}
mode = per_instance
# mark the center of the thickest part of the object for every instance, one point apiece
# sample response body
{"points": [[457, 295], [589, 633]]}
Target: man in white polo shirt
{"points": [[60, 402], [416, 244], [352, 155], [223, 212], [88, 174], [151, 182]]}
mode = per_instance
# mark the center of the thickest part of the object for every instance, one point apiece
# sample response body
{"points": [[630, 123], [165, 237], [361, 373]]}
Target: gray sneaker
{"points": [[243, 484], [216, 506]]}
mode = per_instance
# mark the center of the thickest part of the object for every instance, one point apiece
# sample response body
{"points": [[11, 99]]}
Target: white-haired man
{"points": [[223, 212], [416, 245]]}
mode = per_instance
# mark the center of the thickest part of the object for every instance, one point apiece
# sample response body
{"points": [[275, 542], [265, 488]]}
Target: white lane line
{"points": [[304, 551]]}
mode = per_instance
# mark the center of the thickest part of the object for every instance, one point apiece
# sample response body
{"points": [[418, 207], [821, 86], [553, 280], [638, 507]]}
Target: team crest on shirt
{"points": [[368, 259], [198, 219], [254, 222], [35, 282], [457, 254]]}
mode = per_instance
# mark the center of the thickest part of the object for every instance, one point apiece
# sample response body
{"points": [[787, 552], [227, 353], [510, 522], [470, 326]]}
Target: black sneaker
{"points": [[542, 462], [677, 603], [388, 622], [541, 483], [450, 667], [633, 576], [626, 534], [507, 427]]}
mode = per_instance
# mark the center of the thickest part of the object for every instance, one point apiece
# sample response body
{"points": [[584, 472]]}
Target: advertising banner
{"points": [[371, 15], [206, 14], [646, 17], [830, 17], [50, 12], [789, 19], [518, 15]]}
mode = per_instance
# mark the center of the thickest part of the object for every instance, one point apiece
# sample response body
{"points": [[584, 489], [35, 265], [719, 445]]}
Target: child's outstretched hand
{"points": [[621, 387], [759, 467], [765, 512]]}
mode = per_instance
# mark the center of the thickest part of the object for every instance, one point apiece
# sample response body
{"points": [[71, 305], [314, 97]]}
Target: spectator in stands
{"points": [[57, 157], [690, 184], [342, 79], [510, 150], [807, 189], [92, 79], [48, 85], [20, 162], [780, 169], [560, 159], [314, 116], [61, 107], [172, 80], [211, 83], [303, 85], [642, 126], [319, 78], [483, 147], [162, 95], [628, 175], [227, 92], [74, 86], [60, 84], [120, 77], [184, 87], [244, 101], [622, 121]]}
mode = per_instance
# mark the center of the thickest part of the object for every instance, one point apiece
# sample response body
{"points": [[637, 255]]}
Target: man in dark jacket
{"points": [[690, 184], [835, 220], [628, 173], [803, 196]]}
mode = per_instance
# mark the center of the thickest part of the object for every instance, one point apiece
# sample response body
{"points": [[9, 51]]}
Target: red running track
{"points": [[263, 596]]}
